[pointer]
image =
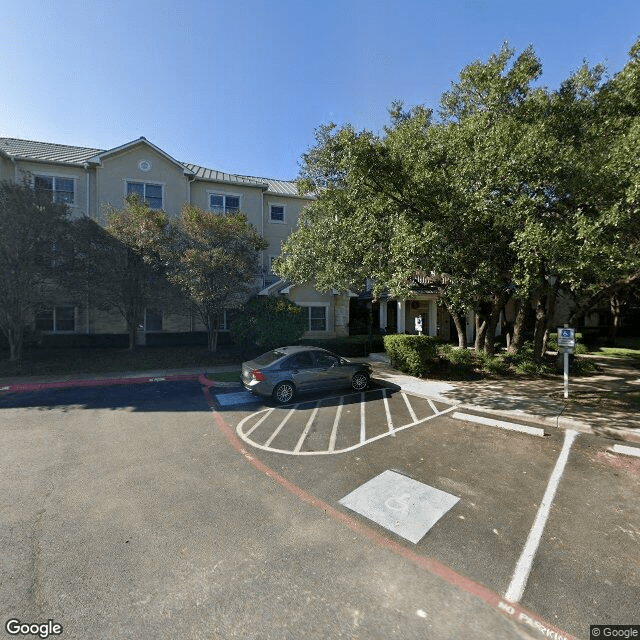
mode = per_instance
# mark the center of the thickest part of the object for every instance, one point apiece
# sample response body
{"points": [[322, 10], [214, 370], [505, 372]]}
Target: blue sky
{"points": [[241, 85]]}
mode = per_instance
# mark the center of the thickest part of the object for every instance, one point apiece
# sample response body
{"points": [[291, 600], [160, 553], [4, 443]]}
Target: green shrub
{"points": [[415, 355], [269, 322]]}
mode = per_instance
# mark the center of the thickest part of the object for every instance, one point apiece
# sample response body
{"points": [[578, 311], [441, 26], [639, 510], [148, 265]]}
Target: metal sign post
{"points": [[566, 342]]}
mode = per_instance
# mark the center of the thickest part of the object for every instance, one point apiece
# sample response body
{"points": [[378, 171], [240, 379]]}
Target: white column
{"points": [[471, 326], [383, 314], [433, 318], [402, 321]]}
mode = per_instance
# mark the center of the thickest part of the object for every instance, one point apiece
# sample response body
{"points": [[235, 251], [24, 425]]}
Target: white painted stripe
{"points": [[412, 413], [362, 423], [511, 426], [257, 424], [336, 422], [523, 568], [279, 427], [346, 449], [387, 411], [433, 406], [305, 433], [629, 451]]}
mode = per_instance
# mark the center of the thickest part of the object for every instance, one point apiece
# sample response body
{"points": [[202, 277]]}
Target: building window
{"points": [[277, 213], [153, 320], [147, 192], [224, 203], [317, 318], [224, 323], [61, 318], [58, 189]]}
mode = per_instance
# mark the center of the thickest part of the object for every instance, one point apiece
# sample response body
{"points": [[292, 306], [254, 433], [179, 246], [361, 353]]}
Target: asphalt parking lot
{"points": [[115, 491], [584, 567]]}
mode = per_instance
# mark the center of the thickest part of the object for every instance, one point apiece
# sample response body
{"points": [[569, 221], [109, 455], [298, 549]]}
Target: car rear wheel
{"points": [[359, 381], [284, 392]]}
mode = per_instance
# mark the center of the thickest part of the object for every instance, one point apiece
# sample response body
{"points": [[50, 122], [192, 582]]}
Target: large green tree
{"points": [[213, 260], [31, 228], [501, 193]]}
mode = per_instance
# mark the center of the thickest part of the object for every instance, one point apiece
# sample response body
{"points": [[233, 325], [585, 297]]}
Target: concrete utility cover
{"points": [[237, 398], [402, 505]]}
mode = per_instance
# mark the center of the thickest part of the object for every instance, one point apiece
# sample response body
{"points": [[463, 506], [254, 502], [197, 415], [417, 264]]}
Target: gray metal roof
{"points": [[46, 151], [66, 154]]}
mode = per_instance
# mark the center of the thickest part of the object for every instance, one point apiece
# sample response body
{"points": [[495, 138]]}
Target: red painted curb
{"points": [[511, 610], [101, 382]]}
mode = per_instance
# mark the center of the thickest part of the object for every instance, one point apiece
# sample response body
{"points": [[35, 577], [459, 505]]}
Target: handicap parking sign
{"points": [[566, 337]]}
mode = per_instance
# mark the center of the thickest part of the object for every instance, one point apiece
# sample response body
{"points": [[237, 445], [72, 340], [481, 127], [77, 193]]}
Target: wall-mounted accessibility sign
{"points": [[566, 337]]}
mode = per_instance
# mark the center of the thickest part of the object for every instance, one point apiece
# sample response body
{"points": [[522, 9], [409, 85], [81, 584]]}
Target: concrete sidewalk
{"points": [[604, 404]]}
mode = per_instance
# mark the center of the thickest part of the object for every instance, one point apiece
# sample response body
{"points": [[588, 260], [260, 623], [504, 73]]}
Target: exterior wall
{"points": [[7, 170], [116, 170], [250, 197], [77, 174], [97, 186], [307, 296], [277, 232]]}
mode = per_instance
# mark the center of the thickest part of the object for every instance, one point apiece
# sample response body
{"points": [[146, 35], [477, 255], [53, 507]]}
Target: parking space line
{"points": [[412, 413], [279, 427], [362, 422], [511, 426], [433, 406], [259, 422], [629, 451], [387, 411], [305, 433], [334, 430], [523, 568]]}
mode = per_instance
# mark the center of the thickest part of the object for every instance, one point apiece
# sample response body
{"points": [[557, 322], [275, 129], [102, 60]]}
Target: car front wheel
{"points": [[360, 381], [284, 392]]}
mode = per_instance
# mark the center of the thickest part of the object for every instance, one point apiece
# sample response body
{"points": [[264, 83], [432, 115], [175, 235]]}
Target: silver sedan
{"points": [[286, 371]]}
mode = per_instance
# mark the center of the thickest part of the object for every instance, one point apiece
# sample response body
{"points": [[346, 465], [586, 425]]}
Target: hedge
{"points": [[415, 355]]}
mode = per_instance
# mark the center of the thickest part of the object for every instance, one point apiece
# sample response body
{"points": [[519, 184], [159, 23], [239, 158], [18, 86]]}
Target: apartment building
{"points": [[90, 179]]}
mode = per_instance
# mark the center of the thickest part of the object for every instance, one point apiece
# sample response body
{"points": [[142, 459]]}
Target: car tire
{"points": [[359, 381], [284, 392]]}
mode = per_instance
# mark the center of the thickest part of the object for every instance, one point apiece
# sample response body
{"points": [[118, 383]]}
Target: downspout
{"points": [[87, 328]]}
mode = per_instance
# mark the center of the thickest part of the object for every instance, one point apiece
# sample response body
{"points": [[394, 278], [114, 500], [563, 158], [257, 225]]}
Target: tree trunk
{"points": [[540, 329], [615, 321], [212, 333], [492, 323], [15, 344], [481, 330], [461, 329], [519, 326]]}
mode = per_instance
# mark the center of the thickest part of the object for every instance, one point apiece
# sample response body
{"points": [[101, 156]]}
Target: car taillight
{"points": [[257, 375]]}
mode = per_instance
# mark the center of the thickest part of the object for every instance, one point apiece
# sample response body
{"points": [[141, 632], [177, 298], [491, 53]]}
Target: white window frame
{"points": [[225, 195], [54, 318], [144, 183], [308, 306], [284, 212], [225, 324], [54, 177], [146, 327]]}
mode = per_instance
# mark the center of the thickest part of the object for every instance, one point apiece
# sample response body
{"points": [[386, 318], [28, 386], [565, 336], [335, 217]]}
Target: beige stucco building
{"points": [[89, 180]]}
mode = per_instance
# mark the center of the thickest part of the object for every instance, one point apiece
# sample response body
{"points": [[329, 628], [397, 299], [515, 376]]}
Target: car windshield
{"points": [[268, 358]]}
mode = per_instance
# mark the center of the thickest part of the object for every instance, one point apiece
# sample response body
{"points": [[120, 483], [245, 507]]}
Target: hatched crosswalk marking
{"points": [[337, 425]]}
